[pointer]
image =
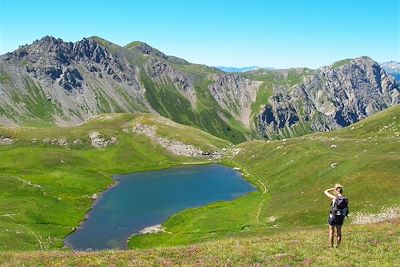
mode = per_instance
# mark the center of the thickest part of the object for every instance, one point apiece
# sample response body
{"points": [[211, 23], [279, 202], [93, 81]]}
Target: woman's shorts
{"points": [[335, 219]]}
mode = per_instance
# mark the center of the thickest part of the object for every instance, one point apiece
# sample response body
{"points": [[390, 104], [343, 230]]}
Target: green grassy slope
{"points": [[294, 173], [35, 101], [341, 63], [297, 170], [375, 245], [166, 100], [46, 189], [290, 175]]}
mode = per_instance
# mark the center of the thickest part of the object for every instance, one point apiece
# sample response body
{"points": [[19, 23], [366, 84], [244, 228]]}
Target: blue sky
{"points": [[232, 33]]}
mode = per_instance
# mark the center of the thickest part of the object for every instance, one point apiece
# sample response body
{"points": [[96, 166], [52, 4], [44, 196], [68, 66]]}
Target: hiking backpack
{"points": [[341, 206]]}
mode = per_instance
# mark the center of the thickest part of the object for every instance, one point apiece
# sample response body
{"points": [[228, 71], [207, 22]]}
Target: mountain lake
{"points": [[142, 201]]}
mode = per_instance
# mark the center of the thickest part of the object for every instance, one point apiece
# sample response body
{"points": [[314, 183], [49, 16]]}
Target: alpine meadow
{"points": [[214, 163]]}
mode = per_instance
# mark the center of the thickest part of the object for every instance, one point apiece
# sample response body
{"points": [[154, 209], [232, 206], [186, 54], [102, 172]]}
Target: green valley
{"points": [[199, 133], [50, 179], [294, 173], [49, 175]]}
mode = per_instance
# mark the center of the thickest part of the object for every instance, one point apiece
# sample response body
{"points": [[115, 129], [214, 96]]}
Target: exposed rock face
{"points": [[162, 72], [74, 81], [52, 58], [330, 98], [71, 80], [148, 50], [235, 94]]}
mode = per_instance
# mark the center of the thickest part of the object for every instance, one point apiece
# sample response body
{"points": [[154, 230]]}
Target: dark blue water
{"points": [[148, 198]]}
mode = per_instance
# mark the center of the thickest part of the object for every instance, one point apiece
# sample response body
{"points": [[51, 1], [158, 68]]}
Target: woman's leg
{"points": [[339, 234], [331, 234]]}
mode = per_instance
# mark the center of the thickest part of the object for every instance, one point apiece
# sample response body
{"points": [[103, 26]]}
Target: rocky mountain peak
{"points": [[364, 60], [366, 64], [56, 61], [56, 51], [146, 49], [331, 97], [48, 41]]}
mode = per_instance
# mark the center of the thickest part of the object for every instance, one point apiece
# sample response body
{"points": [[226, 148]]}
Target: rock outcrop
{"points": [[72, 81], [235, 94], [98, 141], [329, 98], [6, 140], [148, 50], [174, 146], [163, 73]]}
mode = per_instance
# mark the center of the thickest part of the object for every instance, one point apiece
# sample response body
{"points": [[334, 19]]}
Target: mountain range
{"points": [[238, 69], [392, 68], [52, 82]]}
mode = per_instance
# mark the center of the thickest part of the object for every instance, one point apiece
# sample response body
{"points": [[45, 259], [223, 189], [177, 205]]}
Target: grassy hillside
{"points": [[291, 175], [49, 175], [166, 100], [296, 171], [375, 245], [341, 63], [261, 228]]}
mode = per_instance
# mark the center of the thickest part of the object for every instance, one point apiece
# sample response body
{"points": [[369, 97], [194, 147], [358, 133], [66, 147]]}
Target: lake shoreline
{"points": [[115, 183], [99, 195], [149, 229]]}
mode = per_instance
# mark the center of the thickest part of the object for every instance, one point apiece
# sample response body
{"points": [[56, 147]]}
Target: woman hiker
{"points": [[339, 209]]}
